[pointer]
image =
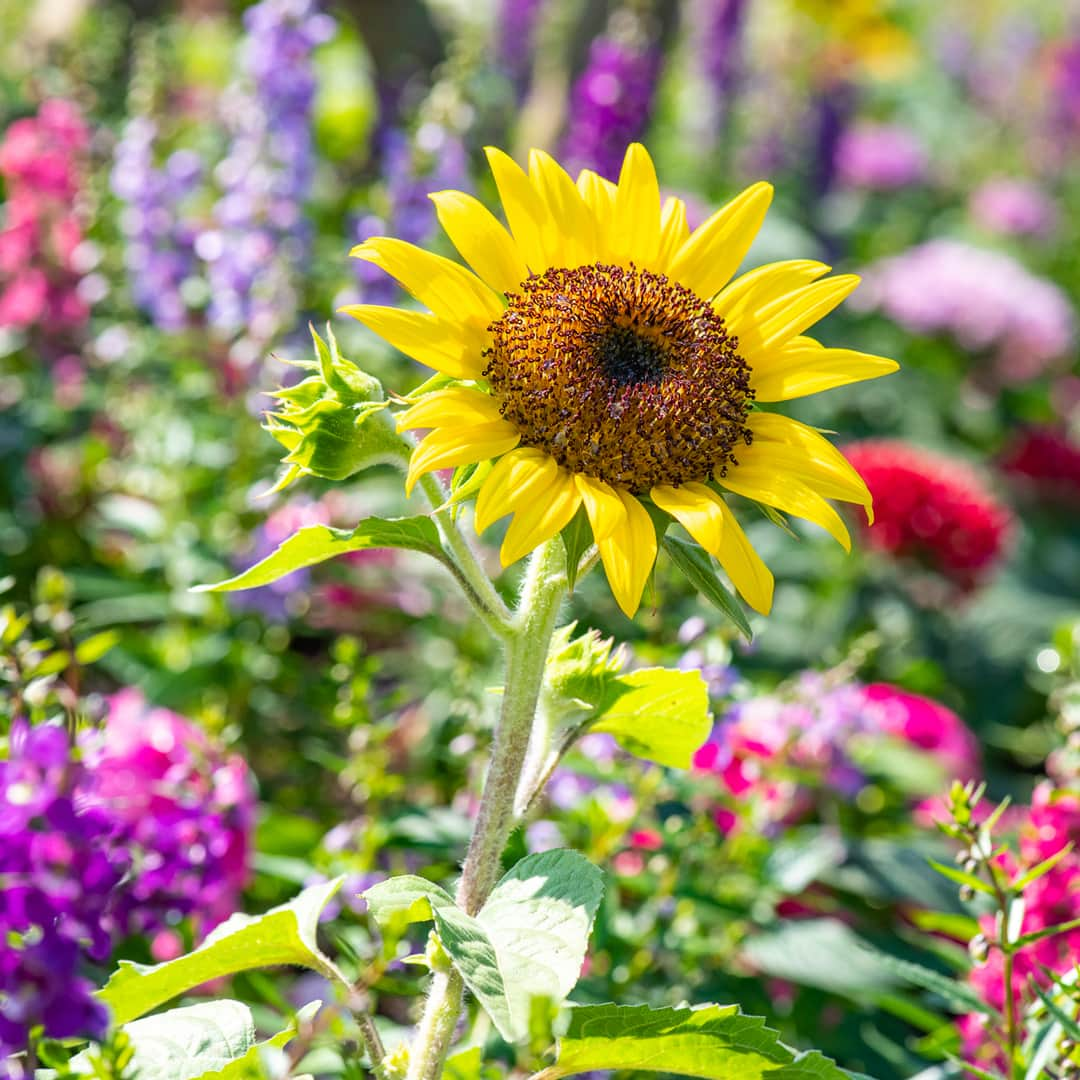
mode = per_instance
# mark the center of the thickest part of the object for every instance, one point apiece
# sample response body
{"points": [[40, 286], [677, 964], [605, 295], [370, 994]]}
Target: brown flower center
{"points": [[620, 374]]}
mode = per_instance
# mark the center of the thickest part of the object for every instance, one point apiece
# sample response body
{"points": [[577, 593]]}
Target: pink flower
{"points": [[1013, 207], [882, 157]]}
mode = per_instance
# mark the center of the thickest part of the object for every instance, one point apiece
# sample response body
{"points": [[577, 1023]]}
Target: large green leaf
{"points": [[283, 935], [716, 1042], [658, 714], [316, 543], [527, 941], [698, 568], [214, 1040]]}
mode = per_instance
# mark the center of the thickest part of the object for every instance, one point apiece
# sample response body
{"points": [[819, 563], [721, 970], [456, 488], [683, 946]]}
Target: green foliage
{"points": [[316, 543], [699, 568], [329, 422], [283, 935], [212, 1040], [716, 1042], [528, 941]]}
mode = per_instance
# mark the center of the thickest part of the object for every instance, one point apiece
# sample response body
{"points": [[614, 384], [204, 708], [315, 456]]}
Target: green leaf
{"points": [[975, 1070], [527, 941], [1067, 1020], [213, 1040], [823, 952], [407, 897], [93, 648], [317, 543], [658, 714], [576, 538], [961, 877], [1048, 931], [698, 568], [959, 996], [716, 1042], [283, 935], [1044, 867]]}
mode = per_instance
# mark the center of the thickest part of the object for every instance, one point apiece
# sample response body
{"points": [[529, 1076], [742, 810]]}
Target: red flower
{"points": [[1047, 462], [933, 509]]}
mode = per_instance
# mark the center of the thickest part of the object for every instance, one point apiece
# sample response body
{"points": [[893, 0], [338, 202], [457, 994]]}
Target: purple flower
{"points": [[881, 157], [718, 28], [611, 103], [1013, 207], [515, 40], [160, 242]]}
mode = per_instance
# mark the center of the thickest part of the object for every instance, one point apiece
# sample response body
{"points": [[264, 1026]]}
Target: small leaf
{"points": [[716, 1042], [93, 648], [657, 714], [975, 1070], [961, 877], [959, 996], [576, 538], [697, 566], [1048, 931], [406, 897], [1067, 1021], [213, 1040], [317, 543], [1045, 866], [283, 935]]}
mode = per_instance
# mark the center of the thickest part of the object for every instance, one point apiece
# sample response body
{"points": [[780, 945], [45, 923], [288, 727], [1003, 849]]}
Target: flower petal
{"points": [[456, 407], [441, 284], [796, 372], [743, 564], [572, 240], [694, 507], [788, 494], [713, 252], [637, 210], [602, 504], [629, 554], [447, 347], [482, 240], [750, 295], [517, 475], [525, 211], [796, 311], [447, 447], [599, 195], [539, 519], [673, 232]]}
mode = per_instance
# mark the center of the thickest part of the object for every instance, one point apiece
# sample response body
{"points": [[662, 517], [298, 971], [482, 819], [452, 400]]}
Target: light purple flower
{"points": [[880, 157], [1013, 207]]}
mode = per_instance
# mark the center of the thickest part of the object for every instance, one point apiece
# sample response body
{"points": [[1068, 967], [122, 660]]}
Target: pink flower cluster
{"points": [[880, 157], [985, 300], [782, 751], [40, 161], [1052, 821], [932, 509]]}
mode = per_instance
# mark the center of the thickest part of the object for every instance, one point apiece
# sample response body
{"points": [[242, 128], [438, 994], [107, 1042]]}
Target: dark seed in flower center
{"points": [[620, 374]]}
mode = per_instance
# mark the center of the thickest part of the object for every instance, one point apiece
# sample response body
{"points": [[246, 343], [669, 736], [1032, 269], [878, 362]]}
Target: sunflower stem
{"points": [[527, 645]]}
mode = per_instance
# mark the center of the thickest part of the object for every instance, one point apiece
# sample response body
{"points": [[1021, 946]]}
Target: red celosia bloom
{"points": [[1047, 462], [933, 509]]}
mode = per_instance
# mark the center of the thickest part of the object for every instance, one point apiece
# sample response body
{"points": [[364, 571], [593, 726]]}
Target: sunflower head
{"points": [[601, 356]]}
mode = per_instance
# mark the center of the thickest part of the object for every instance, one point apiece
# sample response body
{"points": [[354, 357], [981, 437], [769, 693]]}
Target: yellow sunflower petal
{"points": [[450, 290], [750, 576], [751, 294], [482, 240], [713, 252], [448, 447], [796, 372], [525, 211], [788, 494], [456, 407], [629, 553], [673, 231], [572, 241], [538, 520], [694, 507], [599, 194], [810, 457], [517, 476], [602, 504], [799, 310], [637, 209], [434, 342]]}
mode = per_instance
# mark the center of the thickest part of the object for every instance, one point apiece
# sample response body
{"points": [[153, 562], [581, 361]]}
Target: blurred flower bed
{"points": [[181, 184]]}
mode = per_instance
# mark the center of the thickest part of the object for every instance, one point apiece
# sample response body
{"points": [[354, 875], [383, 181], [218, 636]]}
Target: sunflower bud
{"points": [[328, 423]]}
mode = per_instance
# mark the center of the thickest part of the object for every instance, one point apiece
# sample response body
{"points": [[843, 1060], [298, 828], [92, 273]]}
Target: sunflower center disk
{"points": [[620, 374]]}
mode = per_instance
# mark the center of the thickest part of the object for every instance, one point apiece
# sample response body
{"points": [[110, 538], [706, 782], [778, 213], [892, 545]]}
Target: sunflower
{"points": [[598, 357]]}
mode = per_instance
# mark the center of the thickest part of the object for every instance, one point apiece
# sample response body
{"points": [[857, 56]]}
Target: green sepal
{"points": [[576, 538]]}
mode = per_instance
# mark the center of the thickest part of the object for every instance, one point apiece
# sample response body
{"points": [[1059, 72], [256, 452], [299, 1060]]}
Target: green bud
{"points": [[328, 423], [579, 672]]}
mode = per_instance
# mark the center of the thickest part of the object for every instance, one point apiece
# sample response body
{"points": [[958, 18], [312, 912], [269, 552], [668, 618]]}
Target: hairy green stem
{"points": [[527, 644]]}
